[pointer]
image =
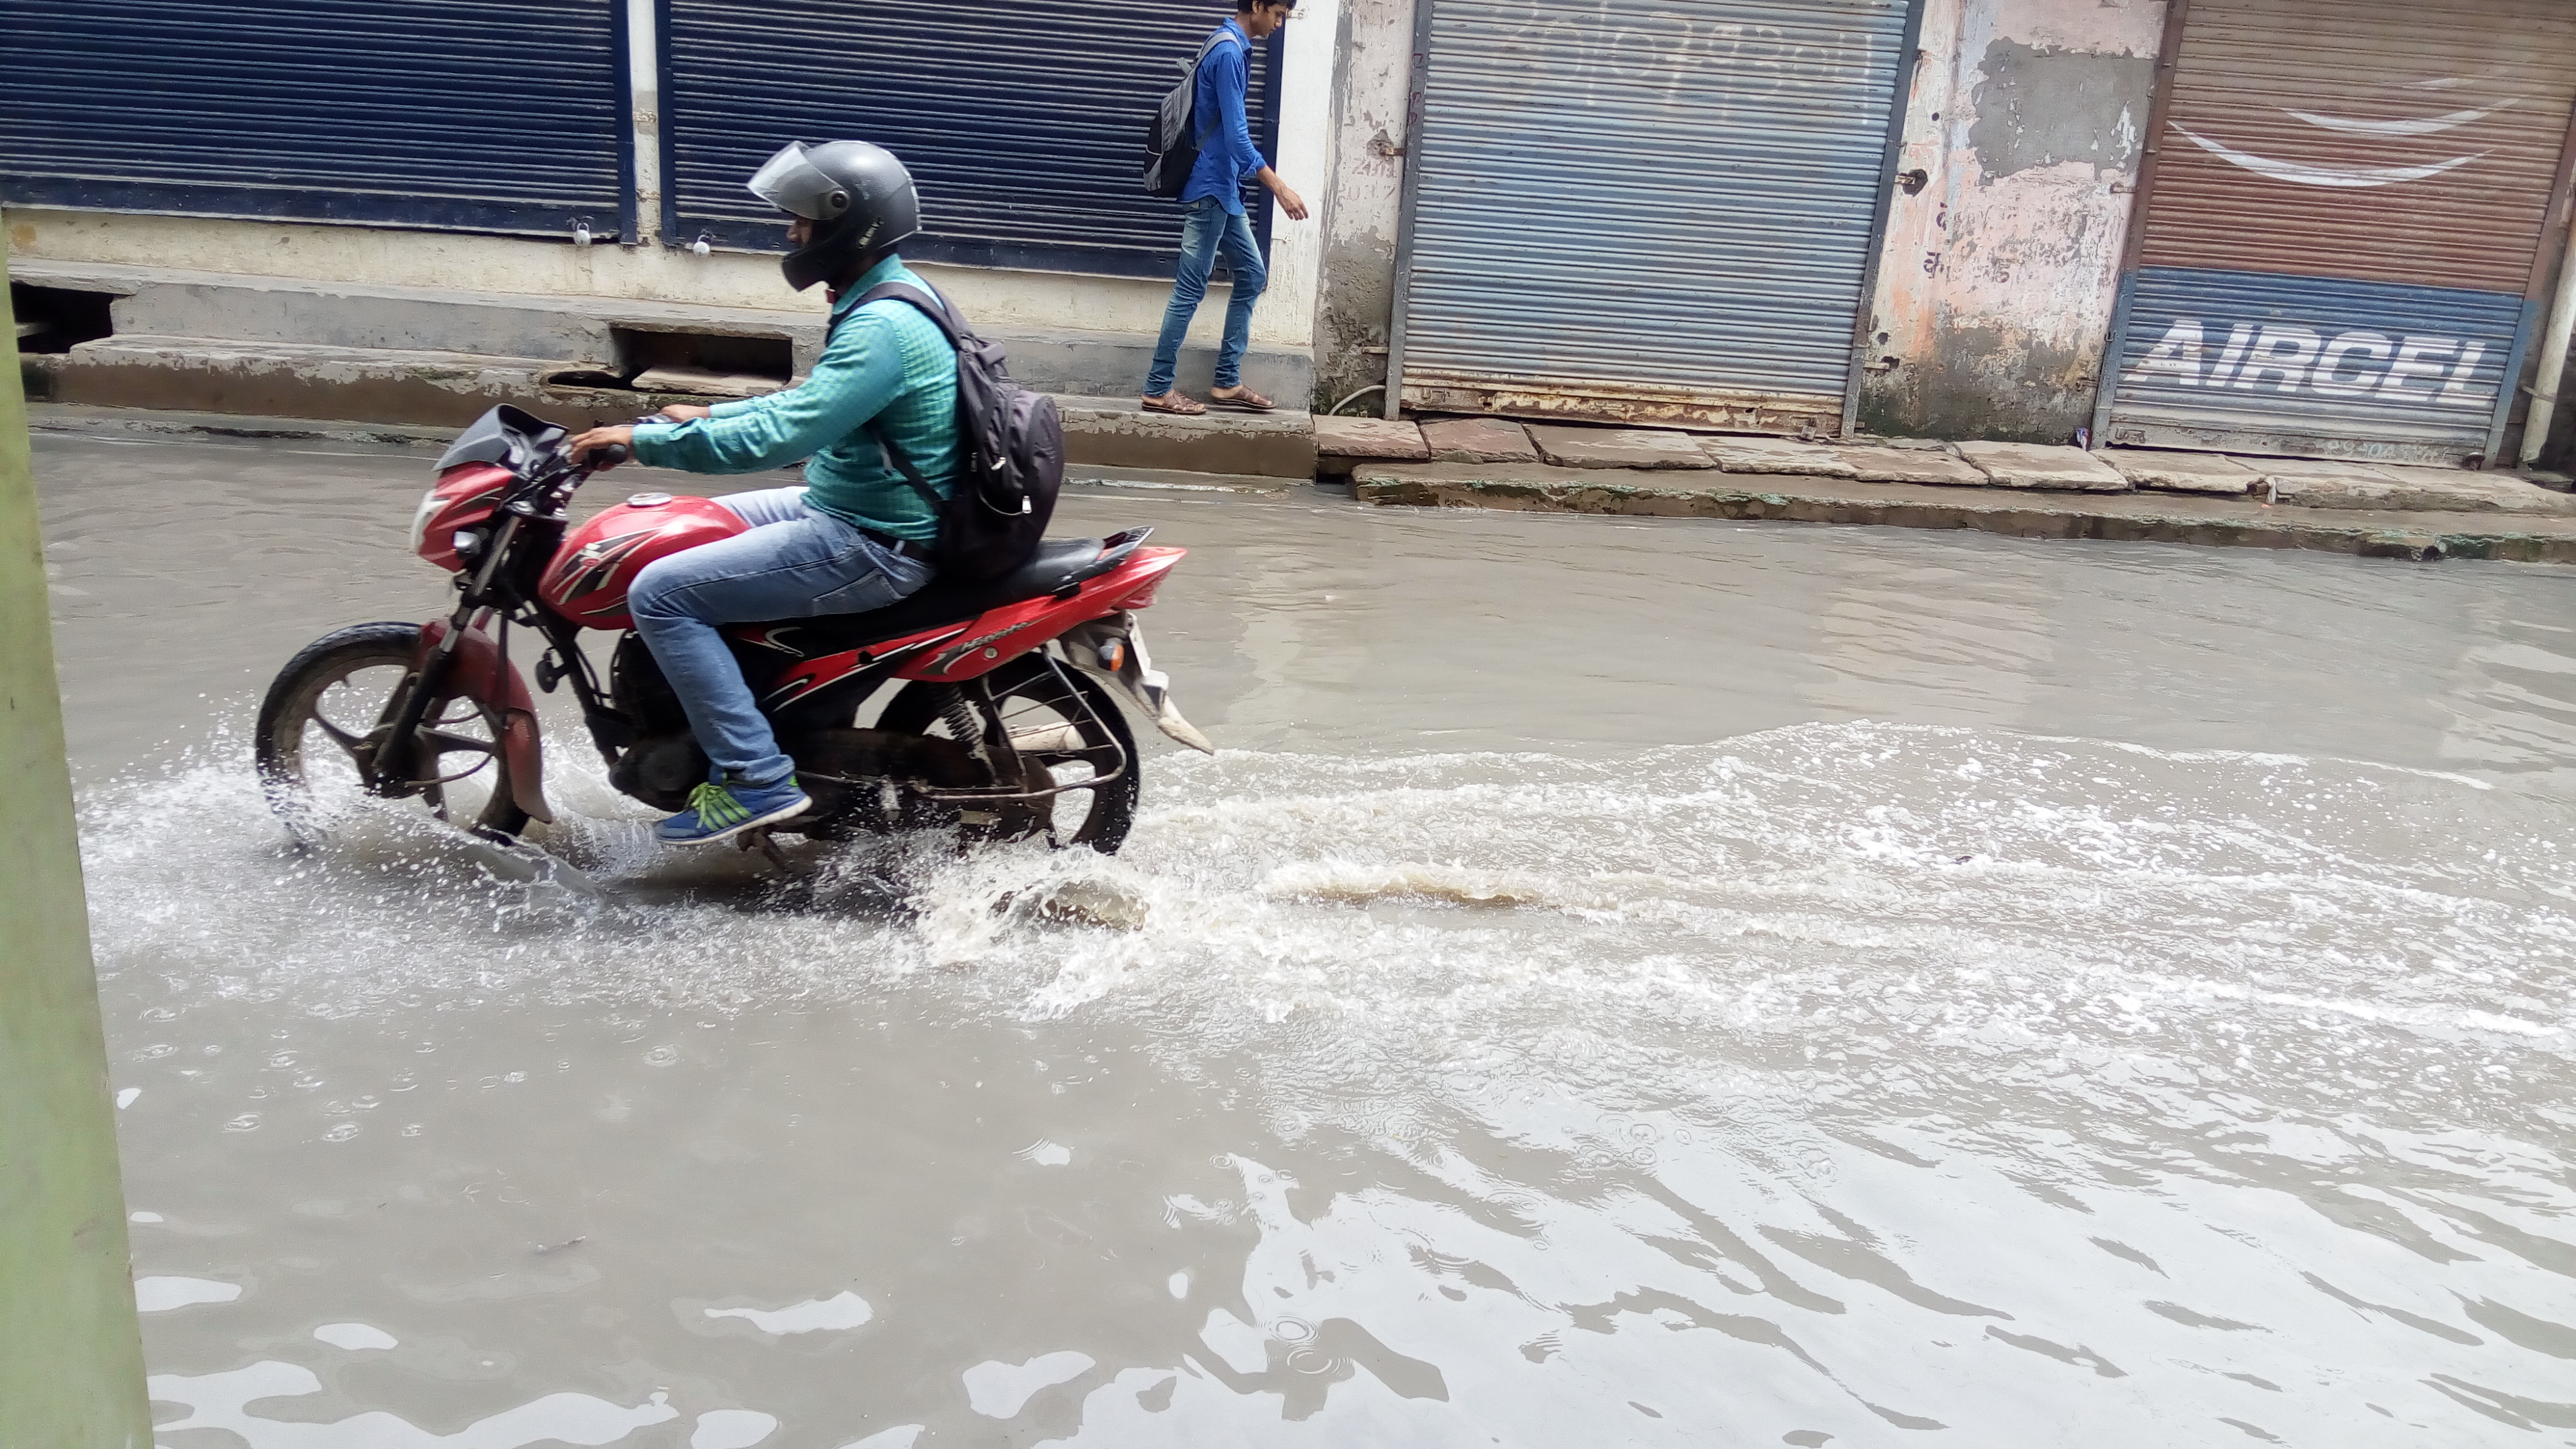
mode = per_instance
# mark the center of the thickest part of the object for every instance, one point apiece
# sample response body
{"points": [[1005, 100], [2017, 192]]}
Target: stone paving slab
{"points": [[2184, 472], [1395, 441], [2320, 483], [1883, 464], [1777, 456], [2459, 490], [2033, 465], [1478, 440], [1618, 448], [2129, 517]]}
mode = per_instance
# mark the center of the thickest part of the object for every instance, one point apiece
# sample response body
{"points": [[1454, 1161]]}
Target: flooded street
{"points": [[1621, 983]]}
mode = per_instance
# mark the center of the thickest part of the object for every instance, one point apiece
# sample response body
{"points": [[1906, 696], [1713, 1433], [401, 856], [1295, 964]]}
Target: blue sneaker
{"points": [[721, 810]]}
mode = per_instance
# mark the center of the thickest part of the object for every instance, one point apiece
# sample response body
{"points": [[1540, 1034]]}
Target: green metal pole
{"points": [[71, 1358]]}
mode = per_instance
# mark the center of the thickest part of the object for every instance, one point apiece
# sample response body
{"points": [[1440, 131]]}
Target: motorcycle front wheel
{"points": [[336, 699]]}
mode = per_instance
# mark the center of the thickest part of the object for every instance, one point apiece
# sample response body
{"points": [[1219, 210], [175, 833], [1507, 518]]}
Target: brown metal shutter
{"points": [[2343, 225]]}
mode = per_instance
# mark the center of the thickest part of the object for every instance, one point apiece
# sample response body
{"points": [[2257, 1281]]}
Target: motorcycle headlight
{"points": [[420, 519]]}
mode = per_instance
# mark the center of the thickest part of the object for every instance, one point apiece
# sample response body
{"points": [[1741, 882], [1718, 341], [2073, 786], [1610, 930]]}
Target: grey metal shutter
{"points": [[1640, 211], [487, 115], [2339, 247], [1024, 127]]}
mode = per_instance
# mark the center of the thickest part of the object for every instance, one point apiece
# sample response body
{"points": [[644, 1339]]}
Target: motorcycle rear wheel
{"points": [[1060, 739], [337, 692]]}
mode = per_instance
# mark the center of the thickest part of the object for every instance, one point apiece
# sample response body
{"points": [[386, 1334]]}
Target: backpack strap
{"points": [[928, 304], [903, 465], [934, 307], [1221, 36]]}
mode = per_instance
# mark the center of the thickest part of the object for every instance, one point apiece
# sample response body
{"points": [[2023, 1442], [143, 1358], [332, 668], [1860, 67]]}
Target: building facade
{"points": [[2330, 227]]}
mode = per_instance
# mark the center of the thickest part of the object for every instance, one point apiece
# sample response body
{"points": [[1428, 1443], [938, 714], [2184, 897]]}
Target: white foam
{"points": [[1865, 888], [125, 1098], [898, 1437], [1046, 1154], [840, 1312], [355, 1336], [160, 1295]]}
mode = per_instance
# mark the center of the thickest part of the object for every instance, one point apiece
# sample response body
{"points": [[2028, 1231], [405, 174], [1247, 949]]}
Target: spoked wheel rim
{"points": [[333, 705], [1065, 731]]}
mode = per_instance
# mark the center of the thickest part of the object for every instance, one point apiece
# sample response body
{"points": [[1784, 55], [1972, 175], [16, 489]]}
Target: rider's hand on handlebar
{"points": [[601, 449]]}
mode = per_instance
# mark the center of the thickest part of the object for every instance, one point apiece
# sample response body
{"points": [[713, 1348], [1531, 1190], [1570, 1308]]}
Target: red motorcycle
{"points": [[1005, 723]]}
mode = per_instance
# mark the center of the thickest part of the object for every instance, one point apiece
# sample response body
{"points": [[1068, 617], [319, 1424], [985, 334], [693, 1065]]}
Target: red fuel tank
{"points": [[588, 580]]}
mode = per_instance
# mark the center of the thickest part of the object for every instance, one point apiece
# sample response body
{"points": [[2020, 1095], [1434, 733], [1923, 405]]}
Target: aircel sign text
{"points": [[2279, 357]]}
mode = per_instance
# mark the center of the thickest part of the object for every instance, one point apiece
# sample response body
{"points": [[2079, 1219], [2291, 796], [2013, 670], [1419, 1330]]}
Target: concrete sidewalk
{"points": [[2133, 517], [273, 347], [1098, 432]]}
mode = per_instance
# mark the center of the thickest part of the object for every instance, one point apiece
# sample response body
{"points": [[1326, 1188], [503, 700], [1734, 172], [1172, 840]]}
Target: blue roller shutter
{"points": [[1635, 210], [485, 115], [1024, 126]]}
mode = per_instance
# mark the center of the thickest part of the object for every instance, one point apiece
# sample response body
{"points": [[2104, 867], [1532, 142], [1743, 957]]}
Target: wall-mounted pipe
{"points": [[2553, 358]]}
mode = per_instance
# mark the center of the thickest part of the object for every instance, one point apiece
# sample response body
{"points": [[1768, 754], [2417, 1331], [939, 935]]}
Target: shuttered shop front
{"points": [[1023, 126], [2343, 235], [492, 115], [1637, 211]]}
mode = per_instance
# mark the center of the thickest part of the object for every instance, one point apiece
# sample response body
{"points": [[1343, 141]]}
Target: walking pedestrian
{"points": [[1213, 225]]}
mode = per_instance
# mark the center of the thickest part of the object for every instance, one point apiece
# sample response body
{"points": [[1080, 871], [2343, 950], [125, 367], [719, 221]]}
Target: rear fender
{"points": [[1001, 635], [482, 673], [1146, 689]]}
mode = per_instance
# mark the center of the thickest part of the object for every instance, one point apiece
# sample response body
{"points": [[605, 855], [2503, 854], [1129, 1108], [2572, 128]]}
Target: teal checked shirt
{"points": [[885, 364]]}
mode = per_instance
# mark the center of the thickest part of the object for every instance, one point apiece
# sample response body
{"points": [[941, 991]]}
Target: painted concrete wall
{"points": [[71, 1360], [1306, 160], [1995, 294], [1363, 210], [999, 299]]}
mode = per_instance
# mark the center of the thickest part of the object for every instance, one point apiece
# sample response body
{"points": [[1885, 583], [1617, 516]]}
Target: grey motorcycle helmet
{"points": [[858, 196]]}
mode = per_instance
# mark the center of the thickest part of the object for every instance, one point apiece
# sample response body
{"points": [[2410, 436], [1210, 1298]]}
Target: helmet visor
{"points": [[792, 184]]}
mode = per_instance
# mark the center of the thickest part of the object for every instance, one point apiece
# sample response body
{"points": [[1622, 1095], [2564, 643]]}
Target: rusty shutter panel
{"points": [[2346, 213], [1640, 211]]}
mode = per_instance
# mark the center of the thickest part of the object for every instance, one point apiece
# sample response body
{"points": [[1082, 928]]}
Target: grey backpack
{"points": [[1172, 136]]}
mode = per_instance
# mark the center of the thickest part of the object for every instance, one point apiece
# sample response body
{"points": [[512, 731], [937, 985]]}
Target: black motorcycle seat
{"points": [[1058, 566]]}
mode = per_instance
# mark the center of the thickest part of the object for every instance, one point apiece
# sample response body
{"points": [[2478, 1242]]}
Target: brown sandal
{"points": [[1187, 407], [1247, 401]]}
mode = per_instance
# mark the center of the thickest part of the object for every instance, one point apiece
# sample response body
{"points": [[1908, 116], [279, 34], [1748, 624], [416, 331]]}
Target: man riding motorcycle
{"points": [[857, 536]]}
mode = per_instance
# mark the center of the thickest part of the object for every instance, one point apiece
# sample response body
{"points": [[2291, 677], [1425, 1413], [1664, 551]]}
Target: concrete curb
{"points": [[2129, 518], [1098, 432]]}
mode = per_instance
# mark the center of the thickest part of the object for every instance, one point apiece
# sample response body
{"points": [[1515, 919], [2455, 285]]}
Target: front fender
{"points": [[481, 672]]}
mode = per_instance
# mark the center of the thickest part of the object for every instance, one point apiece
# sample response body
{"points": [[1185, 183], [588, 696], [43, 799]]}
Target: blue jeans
{"points": [[795, 563], [1208, 230]]}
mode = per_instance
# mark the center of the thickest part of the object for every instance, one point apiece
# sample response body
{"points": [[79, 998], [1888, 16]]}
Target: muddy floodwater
{"points": [[1620, 984]]}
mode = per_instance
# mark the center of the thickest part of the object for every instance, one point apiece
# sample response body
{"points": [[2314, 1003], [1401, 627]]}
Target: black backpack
{"points": [[1172, 134], [994, 519]]}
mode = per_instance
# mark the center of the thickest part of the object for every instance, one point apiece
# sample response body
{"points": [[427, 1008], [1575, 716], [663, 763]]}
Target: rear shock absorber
{"points": [[968, 730]]}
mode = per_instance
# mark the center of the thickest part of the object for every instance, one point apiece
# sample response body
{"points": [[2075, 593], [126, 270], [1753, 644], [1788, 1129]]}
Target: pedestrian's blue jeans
{"points": [[795, 563], [1208, 230]]}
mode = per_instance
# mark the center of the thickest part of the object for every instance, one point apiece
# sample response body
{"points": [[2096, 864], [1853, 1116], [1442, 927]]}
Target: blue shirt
{"points": [[886, 364], [1227, 157]]}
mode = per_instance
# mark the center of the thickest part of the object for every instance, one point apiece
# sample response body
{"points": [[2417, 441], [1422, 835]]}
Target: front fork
{"points": [[393, 771]]}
